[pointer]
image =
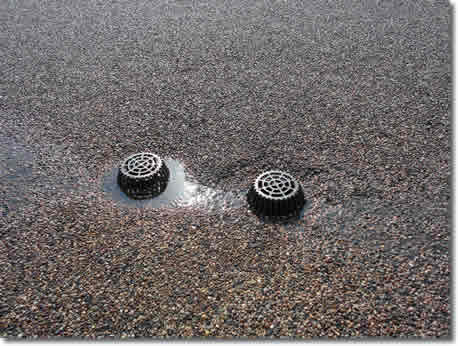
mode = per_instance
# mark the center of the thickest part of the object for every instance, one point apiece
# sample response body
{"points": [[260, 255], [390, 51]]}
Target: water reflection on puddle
{"points": [[181, 191]]}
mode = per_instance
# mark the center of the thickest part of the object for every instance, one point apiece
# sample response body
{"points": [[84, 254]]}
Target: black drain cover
{"points": [[276, 194], [143, 175]]}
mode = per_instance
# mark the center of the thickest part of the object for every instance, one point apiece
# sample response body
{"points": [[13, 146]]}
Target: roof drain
{"points": [[143, 175], [276, 194]]}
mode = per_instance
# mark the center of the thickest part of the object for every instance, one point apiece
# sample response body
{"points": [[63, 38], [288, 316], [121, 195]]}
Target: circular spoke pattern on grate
{"points": [[276, 185], [143, 175], [141, 165], [276, 193]]}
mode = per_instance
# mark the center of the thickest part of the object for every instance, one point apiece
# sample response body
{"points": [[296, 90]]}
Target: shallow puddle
{"points": [[15, 160], [182, 191]]}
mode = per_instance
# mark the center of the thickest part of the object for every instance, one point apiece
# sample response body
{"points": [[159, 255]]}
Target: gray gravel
{"points": [[351, 98]]}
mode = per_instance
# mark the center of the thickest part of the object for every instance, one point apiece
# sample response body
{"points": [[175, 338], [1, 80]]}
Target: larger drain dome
{"points": [[143, 175], [276, 194]]}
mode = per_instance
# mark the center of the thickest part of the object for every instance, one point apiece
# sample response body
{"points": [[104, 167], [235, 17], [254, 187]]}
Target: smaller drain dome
{"points": [[143, 175], [276, 194]]}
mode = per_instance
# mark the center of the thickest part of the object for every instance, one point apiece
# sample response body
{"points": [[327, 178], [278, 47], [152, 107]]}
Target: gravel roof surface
{"points": [[351, 98]]}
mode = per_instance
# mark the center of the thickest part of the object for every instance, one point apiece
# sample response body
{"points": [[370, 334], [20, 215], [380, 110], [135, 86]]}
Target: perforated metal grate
{"points": [[143, 175], [276, 193]]}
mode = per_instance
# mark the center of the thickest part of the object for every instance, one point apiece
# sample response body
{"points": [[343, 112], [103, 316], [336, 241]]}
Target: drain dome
{"points": [[143, 175], [276, 194]]}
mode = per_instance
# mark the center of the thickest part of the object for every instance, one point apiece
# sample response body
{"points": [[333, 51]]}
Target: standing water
{"points": [[181, 191]]}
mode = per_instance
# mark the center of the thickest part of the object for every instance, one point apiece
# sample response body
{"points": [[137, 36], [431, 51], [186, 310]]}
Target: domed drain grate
{"points": [[276, 194], [143, 175]]}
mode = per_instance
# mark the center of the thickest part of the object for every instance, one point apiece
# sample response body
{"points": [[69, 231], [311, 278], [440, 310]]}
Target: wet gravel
{"points": [[351, 98]]}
